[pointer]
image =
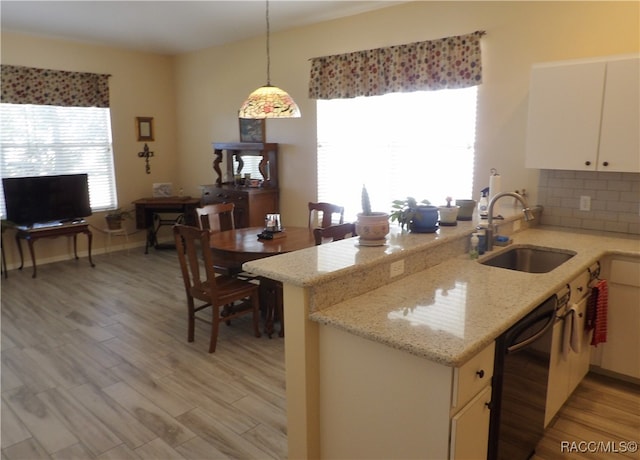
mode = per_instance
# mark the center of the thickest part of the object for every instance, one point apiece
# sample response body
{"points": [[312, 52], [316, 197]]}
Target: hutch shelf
{"points": [[251, 203]]}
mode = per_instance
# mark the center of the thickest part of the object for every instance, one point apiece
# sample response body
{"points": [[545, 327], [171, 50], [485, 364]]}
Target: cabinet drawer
{"points": [[474, 375], [212, 194]]}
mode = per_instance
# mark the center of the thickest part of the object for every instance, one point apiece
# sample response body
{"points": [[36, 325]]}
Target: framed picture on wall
{"points": [[252, 130], [144, 127]]}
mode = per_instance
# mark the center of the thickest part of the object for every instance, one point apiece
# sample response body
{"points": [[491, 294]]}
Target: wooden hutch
{"points": [[252, 203]]}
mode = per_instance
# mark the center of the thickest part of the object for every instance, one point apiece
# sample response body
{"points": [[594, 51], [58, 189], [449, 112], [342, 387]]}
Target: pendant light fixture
{"points": [[269, 101]]}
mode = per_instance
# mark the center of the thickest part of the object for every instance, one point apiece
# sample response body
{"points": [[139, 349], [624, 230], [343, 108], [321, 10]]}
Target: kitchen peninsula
{"points": [[378, 366]]}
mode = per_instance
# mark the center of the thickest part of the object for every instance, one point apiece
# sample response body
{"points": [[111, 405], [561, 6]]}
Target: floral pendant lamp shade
{"points": [[269, 101]]}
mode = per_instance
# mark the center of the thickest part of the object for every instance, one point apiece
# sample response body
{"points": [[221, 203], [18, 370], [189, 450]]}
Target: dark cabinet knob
{"points": [[605, 163], [588, 163], [480, 373]]}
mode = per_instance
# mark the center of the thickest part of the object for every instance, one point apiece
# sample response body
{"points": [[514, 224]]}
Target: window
{"points": [[418, 144], [41, 140]]}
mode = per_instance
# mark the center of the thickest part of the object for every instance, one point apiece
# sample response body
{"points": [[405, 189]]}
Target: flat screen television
{"points": [[41, 199]]}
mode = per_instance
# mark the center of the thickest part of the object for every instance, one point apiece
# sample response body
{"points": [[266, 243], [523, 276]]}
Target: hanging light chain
{"points": [[268, 50]]}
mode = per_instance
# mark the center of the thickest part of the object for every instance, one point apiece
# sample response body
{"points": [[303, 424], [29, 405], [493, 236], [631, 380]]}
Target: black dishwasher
{"points": [[520, 384]]}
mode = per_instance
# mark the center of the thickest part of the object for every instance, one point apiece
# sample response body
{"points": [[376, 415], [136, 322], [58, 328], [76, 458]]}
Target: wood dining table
{"points": [[241, 245]]}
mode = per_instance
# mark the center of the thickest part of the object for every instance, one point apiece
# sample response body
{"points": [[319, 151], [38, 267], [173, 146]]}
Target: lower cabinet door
{"points": [[580, 361], [470, 428], [558, 374], [621, 352]]}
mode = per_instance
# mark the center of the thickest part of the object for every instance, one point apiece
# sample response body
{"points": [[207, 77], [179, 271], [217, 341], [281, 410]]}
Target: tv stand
{"points": [[52, 230]]}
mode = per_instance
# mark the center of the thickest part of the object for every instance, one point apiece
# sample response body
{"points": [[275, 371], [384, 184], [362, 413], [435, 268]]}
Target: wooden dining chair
{"points": [[335, 232], [324, 213], [217, 218], [227, 296]]}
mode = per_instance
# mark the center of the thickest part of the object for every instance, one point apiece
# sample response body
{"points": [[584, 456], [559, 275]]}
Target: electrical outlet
{"points": [[585, 203], [397, 268]]}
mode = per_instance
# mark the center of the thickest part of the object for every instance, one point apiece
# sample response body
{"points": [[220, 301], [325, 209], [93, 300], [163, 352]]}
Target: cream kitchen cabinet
{"points": [[581, 115], [470, 428], [470, 406], [379, 402], [621, 352]]}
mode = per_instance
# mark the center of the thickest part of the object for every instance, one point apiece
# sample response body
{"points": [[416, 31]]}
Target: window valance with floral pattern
{"points": [[28, 85], [452, 62]]}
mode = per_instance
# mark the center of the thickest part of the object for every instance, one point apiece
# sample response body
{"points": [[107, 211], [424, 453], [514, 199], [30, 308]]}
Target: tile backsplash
{"points": [[615, 200]]}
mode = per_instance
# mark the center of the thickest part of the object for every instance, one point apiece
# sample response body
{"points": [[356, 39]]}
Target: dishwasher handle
{"points": [[548, 325]]}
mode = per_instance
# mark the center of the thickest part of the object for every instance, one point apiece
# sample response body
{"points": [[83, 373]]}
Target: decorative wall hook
{"points": [[146, 154]]}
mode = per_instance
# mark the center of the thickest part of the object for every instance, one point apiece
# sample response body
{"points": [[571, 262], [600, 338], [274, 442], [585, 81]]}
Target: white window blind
{"points": [[42, 140], [417, 144]]}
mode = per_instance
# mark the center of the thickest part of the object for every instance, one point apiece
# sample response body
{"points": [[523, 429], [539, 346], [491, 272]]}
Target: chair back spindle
{"points": [[327, 210], [335, 232]]}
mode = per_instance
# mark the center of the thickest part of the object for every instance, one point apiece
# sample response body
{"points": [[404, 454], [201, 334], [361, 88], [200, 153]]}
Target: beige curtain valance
{"points": [[452, 62], [28, 85]]}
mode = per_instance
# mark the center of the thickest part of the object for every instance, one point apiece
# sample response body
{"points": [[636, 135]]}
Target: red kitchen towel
{"points": [[602, 306], [592, 302]]}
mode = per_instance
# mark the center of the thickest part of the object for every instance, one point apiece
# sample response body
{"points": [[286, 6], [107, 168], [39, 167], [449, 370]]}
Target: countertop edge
{"points": [[465, 350]]}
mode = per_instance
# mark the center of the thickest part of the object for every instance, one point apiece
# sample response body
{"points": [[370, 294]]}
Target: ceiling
{"points": [[168, 27]]}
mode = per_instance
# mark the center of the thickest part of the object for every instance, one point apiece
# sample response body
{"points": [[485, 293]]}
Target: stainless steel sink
{"points": [[530, 259]]}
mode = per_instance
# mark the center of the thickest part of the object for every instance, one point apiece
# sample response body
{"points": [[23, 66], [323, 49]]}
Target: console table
{"points": [[147, 207], [52, 230]]}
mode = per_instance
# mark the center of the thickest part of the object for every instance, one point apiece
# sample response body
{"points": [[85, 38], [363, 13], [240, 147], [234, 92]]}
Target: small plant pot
{"points": [[113, 223], [467, 208], [448, 215], [372, 229], [425, 219]]}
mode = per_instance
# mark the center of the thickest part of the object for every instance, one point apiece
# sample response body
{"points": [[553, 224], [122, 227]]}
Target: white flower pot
{"points": [[373, 229], [448, 215]]}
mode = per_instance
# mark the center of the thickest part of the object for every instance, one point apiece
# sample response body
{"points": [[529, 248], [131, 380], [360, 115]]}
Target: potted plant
{"points": [[418, 217], [115, 217], [372, 227], [448, 213]]}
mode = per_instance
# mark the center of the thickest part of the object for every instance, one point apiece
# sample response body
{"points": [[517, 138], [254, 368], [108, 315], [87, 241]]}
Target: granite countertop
{"points": [[447, 312], [451, 311], [319, 264]]}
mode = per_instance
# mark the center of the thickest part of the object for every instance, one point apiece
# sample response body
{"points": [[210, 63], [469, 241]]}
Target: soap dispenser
{"points": [[475, 241], [483, 203]]}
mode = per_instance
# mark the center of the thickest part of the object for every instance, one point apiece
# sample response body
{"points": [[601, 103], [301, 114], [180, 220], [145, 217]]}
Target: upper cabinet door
{"points": [[565, 103], [620, 132]]}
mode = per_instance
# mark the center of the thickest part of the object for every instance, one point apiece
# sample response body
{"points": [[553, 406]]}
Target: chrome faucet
{"points": [[528, 214]]}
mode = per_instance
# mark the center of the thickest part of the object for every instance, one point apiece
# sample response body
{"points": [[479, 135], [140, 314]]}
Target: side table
{"points": [[116, 232], [52, 230]]}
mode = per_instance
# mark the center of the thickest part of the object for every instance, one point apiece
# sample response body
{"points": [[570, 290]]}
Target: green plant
{"points": [[404, 211], [119, 214], [366, 203], [448, 199]]}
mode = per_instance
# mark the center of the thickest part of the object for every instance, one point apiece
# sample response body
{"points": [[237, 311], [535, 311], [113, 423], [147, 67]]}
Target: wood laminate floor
{"points": [[95, 364], [598, 421]]}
